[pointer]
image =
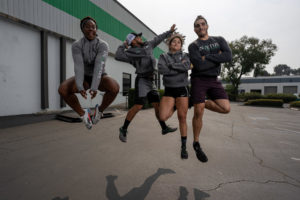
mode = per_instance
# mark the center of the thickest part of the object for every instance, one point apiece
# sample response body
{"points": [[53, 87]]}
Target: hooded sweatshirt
{"points": [[211, 49], [141, 57], [174, 68], [89, 60]]}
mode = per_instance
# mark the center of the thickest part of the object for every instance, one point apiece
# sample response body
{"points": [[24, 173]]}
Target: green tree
{"points": [[295, 71], [248, 54], [282, 69]]}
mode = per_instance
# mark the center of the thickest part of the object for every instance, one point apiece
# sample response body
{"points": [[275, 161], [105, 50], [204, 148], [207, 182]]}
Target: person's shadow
{"points": [[137, 193], [199, 195]]}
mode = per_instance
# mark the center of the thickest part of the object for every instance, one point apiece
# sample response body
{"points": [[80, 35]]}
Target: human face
{"points": [[137, 41], [89, 30], [200, 28], [175, 45]]}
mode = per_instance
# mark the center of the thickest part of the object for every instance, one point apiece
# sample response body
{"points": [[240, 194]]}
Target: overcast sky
{"points": [[278, 20]]}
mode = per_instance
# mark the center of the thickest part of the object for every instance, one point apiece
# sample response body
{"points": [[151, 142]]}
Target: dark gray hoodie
{"points": [[174, 68], [141, 57]]}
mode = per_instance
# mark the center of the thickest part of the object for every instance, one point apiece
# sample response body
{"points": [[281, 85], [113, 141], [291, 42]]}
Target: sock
{"points": [[183, 141], [163, 125], [196, 145], [126, 124]]}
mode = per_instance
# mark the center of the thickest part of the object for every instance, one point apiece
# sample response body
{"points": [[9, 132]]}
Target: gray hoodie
{"points": [[141, 57], [174, 68], [89, 60]]}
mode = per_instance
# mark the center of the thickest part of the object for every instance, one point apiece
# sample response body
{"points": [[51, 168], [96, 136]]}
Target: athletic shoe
{"points": [[168, 130], [86, 118], [97, 115], [199, 153], [123, 134], [184, 153]]}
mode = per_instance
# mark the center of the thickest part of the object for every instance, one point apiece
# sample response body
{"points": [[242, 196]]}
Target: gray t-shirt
{"points": [[89, 60]]}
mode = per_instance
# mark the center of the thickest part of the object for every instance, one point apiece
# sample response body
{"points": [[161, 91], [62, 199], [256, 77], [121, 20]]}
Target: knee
{"points": [[226, 109], [182, 117], [62, 90]]}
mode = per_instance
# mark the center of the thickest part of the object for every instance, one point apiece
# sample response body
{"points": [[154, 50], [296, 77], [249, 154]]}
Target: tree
{"points": [[282, 69], [248, 54], [295, 71]]}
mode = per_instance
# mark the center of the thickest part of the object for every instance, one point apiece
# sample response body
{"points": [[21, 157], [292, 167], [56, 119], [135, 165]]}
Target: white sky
{"points": [[278, 20]]}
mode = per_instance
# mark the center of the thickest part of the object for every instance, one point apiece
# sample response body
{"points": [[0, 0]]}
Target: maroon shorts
{"points": [[206, 86]]}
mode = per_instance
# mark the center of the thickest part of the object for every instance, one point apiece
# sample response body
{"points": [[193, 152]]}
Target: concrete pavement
{"points": [[253, 153]]}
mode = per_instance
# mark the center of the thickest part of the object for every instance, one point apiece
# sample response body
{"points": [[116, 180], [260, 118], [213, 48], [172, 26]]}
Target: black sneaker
{"points": [[199, 153], [123, 134], [184, 153], [168, 130]]}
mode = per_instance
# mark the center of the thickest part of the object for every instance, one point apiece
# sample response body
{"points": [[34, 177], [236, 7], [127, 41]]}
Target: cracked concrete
{"points": [[248, 158]]}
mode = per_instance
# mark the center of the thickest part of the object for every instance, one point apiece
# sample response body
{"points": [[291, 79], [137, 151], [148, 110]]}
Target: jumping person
{"points": [[174, 67], [89, 55], [140, 55], [206, 54]]}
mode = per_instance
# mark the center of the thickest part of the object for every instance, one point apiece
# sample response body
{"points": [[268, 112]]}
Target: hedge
{"points": [[131, 96], [295, 104], [265, 102], [249, 96]]}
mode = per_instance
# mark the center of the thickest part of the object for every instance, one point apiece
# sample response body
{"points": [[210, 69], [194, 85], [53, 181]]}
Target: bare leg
{"points": [[218, 105], [111, 89], [197, 120], [67, 90], [182, 104], [133, 110], [166, 108]]}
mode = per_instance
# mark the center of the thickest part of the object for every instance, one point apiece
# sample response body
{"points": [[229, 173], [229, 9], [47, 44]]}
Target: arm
{"points": [[182, 66], [99, 65], [163, 67], [121, 54], [224, 55], [158, 39], [198, 62], [78, 66]]}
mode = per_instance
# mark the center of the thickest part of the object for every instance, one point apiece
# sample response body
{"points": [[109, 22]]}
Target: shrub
{"points": [[131, 97], [229, 89], [295, 104], [249, 96], [285, 97], [265, 102]]}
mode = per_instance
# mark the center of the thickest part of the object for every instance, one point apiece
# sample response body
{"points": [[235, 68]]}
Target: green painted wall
{"points": [[106, 22]]}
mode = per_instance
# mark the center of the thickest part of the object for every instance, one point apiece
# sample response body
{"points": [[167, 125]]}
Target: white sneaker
{"points": [[86, 118], [97, 115]]}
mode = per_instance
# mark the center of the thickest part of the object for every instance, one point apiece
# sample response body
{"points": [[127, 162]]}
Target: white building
{"points": [[271, 84], [35, 50]]}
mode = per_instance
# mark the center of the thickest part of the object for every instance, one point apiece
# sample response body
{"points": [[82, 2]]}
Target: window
{"points": [[126, 83], [256, 91], [270, 89], [290, 89]]}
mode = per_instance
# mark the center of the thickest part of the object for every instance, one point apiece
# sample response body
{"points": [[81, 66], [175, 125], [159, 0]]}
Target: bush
{"points": [[285, 97], [229, 89], [131, 96], [265, 102], [295, 104], [249, 96]]}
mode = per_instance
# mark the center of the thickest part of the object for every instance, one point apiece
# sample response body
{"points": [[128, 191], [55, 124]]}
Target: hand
{"points": [[220, 52], [83, 94], [93, 93], [173, 28], [202, 58], [126, 44]]}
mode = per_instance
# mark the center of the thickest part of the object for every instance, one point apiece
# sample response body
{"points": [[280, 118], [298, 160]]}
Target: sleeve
{"points": [[99, 65], [158, 39], [78, 66], [163, 66], [196, 60], [121, 54], [183, 65], [224, 56]]}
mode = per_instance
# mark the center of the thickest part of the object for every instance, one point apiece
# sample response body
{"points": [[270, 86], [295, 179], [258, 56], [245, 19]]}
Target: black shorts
{"points": [[176, 92], [145, 89], [89, 79], [152, 96]]}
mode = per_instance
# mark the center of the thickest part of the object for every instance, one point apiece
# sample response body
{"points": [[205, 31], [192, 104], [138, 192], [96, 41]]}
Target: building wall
{"points": [[21, 24]]}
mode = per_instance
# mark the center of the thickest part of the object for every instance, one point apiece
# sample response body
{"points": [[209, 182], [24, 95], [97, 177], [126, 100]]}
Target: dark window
{"points": [[126, 83], [256, 91], [290, 89], [270, 89]]}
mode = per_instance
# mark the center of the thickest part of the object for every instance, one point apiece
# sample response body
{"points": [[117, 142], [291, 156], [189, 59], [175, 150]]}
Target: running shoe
{"points": [[97, 115], [86, 118], [199, 153], [168, 130], [184, 153], [123, 134]]}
